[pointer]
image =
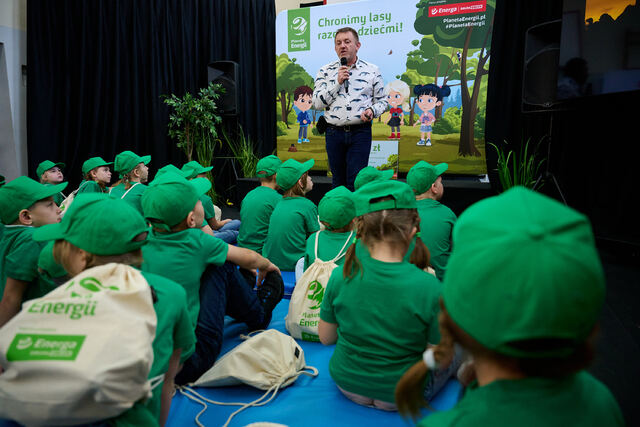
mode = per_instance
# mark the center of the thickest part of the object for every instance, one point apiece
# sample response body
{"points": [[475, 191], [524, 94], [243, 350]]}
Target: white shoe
{"points": [[428, 144], [421, 142]]}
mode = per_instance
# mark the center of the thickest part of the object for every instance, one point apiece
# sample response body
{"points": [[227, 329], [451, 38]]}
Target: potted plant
{"points": [[521, 167]]}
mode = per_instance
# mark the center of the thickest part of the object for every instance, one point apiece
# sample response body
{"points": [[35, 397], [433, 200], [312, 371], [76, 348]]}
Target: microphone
{"points": [[343, 62]]}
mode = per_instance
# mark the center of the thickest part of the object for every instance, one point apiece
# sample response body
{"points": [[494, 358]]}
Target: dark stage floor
{"points": [[617, 361]]}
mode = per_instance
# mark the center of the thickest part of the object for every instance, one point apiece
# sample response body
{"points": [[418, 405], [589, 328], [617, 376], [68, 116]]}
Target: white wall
{"points": [[13, 92]]}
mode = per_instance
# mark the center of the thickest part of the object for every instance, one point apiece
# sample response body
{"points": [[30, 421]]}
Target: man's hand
{"points": [[343, 74], [263, 272], [367, 115]]}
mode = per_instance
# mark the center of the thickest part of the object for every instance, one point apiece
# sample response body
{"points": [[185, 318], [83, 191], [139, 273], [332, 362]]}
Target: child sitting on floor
{"points": [[97, 176], [134, 173], [530, 326], [369, 173], [380, 310], [258, 205], [205, 266], [99, 230], [225, 229], [294, 219], [50, 173], [24, 205], [337, 211]]}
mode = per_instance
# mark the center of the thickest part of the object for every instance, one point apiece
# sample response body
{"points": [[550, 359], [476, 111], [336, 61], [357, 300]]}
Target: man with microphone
{"points": [[350, 91]]}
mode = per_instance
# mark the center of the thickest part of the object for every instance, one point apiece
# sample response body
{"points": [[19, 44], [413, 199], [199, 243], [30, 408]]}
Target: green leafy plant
{"points": [[194, 120], [519, 167], [243, 150]]}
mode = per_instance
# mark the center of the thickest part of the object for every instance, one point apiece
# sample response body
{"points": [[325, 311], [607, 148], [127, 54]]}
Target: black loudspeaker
{"points": [[540, 71], [226, 74]]}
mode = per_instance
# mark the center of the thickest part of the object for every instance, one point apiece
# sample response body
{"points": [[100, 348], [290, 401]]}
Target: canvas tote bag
{"points": [[269, 361], [82, 352], [306, 299]]}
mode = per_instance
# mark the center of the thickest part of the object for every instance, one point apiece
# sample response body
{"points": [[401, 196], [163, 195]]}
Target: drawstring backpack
{"points": [[304, 308], [269, 361], [82, 353]]}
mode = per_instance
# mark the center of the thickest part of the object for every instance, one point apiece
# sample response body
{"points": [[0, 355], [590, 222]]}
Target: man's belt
{"points": [[350, 128]]}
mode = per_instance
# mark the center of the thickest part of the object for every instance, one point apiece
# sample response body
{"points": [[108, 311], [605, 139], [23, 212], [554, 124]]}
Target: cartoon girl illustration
{"points": [[398, 93], [429, 97]]}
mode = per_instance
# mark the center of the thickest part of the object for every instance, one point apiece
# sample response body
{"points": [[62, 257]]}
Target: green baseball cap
{"points": [[290, 172], [170, 197], [422, 175], [92, 163], [126, 161], [99, 225], [400, 194], [21, 193], [369, 174], [524, 267], [192, 169], [337, 208], [46, 165], [267, 166], [169, 168]]}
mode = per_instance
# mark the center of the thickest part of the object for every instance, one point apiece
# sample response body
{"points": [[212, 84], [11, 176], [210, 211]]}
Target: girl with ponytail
{"points": [[379, 309], [529, 326]]}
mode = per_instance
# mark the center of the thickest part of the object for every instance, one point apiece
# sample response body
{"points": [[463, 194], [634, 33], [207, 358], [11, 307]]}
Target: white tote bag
{"points": [[81, 353], [269, 361], [306, 299]]}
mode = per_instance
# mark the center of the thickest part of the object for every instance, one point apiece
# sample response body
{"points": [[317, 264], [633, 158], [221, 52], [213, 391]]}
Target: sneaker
{"points": [[299, 141], [271, 291], [428, 144], [305, 140], [421, 142]]}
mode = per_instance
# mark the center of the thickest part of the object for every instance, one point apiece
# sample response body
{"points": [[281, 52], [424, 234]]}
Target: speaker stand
{"points": [[547, 175]]}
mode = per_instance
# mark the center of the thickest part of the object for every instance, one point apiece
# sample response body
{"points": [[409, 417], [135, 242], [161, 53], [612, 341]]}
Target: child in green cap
{"points": [[97, 176], [437, 219], [258, 205], [24, 205], [294, 219], [384, 307], [205, 266], [50, 173], [225, 229], [98, 230], [336, 211], [134, 173], [530, 325], [369, 174]]}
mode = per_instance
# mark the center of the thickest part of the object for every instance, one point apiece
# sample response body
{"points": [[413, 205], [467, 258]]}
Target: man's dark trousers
{"points": [[348, 150]]}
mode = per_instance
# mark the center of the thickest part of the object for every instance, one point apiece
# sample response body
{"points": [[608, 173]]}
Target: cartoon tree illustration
{"points": [[433, 62], [289, 76], [465, 39]]}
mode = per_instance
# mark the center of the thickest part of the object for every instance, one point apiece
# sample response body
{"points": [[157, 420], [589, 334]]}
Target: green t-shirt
{"points": [[133, 194], [436, 223], [578, 400], [255, 214], [19, 259], [58, 197], [329, 245], [385, 316], [50, 273], [207, 205], [183, 257], [91, 187], [292, 221], [173, 330]]}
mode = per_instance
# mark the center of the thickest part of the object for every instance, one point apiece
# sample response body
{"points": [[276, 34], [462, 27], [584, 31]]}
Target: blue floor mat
{"points": [[307, 402]]}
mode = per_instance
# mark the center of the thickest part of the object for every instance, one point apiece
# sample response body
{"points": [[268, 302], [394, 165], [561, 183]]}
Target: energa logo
{"points": [[24, 343], [316, 294], [299, 25]]}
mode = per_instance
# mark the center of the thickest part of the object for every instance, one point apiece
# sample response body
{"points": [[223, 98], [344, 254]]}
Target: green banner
{"points": [[29, 347], [299, 30]]}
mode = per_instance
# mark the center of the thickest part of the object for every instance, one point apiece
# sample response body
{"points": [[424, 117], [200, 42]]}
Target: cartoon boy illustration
{"points": [[429, 97], [398, 93], [302, 100]]}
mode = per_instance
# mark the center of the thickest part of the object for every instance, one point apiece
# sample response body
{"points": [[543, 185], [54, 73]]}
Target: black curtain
{"points": [[593, 142], [97, 70]]}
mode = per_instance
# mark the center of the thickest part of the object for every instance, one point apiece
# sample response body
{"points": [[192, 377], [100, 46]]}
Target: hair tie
{"points": [[429, 359], [418, 234]]}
